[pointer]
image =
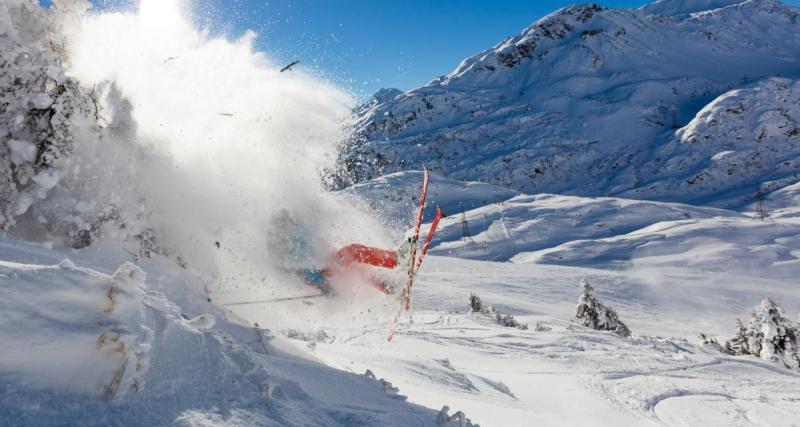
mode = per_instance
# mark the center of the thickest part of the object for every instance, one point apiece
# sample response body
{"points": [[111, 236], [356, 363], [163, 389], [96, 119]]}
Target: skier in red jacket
{"points": [[293, 250]]}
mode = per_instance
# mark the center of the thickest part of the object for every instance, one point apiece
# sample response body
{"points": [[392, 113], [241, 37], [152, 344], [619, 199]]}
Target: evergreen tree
{"points": [[592, 313], [771, 336], [738, 345], [586, 312], [475, 303]]}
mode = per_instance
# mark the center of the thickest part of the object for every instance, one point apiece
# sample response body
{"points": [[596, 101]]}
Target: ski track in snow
{"points": [[444, 355], [143, 347], [672, 271], [100, 340]]}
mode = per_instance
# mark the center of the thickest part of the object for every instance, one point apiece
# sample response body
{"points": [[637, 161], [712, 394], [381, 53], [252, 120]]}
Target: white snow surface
{"points": [[91, 346], [391, 195], [137, 328], [671, 271], [563, 374]]}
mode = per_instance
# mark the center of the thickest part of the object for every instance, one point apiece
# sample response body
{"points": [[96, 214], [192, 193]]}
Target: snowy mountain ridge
{"points": [[685, 7], [580, 101]]}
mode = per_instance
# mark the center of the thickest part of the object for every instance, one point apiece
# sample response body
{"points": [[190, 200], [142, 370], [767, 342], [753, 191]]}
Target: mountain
{"points": [[744, 143], [584, 101], [685, 7]]}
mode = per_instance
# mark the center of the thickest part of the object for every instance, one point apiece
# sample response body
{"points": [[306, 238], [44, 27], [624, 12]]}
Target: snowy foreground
{"points": [[569, 374], [671, 271], [122, 343], [135, 346]]}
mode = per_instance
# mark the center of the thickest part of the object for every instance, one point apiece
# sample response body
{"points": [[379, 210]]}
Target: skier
{"points": [[292, 249]]}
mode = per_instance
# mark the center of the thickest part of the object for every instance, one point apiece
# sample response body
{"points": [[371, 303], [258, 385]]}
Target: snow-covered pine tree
{"points": [[52, 133], [39, 110], [773, 337], [592, 313], [738, 345], [475, 303]]}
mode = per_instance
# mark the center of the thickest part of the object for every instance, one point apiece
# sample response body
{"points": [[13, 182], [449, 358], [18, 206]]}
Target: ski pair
{"points": [[416, 260]]}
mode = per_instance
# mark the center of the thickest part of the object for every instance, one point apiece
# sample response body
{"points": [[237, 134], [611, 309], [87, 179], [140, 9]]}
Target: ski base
{"points": [[416, 260]]}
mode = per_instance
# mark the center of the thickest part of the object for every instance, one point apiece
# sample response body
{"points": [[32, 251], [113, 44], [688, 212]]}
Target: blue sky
{"points": [[365, 45]]}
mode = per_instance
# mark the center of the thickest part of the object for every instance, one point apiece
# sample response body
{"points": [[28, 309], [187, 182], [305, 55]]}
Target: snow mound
{"points": [[714, 244], [506, 230], [74, 329], [784, 202], [74, 338]]}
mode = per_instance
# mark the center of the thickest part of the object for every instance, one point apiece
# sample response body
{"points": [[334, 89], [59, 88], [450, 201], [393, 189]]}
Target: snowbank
{"points": [[502, 231], [74, 329], [84, 348]]}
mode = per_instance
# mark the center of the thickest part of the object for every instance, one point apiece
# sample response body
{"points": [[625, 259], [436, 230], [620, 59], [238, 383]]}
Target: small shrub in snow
{"points": [[542, 328], [475, 303], [708, 340], [314, 337], [476, 306], [769, 336], [593, 314], [510, 322], [712, 342]]}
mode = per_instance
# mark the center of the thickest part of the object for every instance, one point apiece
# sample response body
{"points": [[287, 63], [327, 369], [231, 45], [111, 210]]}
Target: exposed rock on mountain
{"points": [[582, 100]]}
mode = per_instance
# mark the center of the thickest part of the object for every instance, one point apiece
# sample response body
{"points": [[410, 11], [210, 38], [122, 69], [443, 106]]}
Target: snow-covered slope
{"points": [[390, 196], [604, 232], [557, 373], [501, 231], [139, 347], [716, 244], [744, 142], [671, 271], [783, 203], [584, 97]]}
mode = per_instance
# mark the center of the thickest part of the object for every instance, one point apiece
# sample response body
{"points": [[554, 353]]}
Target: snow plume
{"points": [[201, 140]]}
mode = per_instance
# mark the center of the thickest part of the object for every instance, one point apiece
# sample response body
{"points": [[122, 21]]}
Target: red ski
{"points": [[416, 261], [423, 251]]}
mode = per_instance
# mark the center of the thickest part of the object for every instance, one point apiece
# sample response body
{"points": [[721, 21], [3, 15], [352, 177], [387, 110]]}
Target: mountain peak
{"points": [[384, 94], [685, 7], [542, 109]]}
